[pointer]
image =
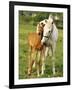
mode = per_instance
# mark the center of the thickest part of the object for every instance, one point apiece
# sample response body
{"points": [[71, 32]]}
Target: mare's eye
{"points": [[49, 31], [52, 22]]}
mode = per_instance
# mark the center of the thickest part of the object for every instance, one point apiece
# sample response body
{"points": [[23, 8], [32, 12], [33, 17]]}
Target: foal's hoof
{"points": [[34, 65], [42, 73], [38, 75], [29, 73]]}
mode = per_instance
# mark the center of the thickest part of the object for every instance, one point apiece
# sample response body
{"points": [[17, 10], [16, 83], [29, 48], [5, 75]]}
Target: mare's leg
{"points": [[43, 65], [46, 52], [53, 57], [44, 56]]}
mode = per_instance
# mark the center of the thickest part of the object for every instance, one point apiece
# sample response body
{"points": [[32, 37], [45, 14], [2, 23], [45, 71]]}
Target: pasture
{"points": [[24, 29]]}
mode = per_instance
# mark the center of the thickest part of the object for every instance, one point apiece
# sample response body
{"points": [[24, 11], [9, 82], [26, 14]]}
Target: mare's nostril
{"points": [[44, 43], [49, 31]]}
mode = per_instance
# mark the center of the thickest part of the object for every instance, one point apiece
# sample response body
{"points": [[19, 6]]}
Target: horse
{"points": [[49, 40], [35, 49], [50, 37]]}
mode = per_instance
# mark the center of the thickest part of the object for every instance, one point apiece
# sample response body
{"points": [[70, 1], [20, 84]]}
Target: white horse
{"points": [[50, 37]]}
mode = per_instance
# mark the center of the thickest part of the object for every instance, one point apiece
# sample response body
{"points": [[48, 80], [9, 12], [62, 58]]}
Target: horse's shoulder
{"points": [[34, 39]]}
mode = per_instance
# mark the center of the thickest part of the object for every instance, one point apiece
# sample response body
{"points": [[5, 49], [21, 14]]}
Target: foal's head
{"points": [[40, 28]]}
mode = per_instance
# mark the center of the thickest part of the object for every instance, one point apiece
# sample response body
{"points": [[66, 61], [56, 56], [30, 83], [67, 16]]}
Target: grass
{"points": [[24, 29]]}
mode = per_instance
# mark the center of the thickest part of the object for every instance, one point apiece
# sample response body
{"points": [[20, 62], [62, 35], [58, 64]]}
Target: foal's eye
{"points": [[38, 33]]}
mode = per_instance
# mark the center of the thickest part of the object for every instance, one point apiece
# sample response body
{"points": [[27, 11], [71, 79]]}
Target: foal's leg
{"points": [[29, 60], [33, 57], [38, 63]]}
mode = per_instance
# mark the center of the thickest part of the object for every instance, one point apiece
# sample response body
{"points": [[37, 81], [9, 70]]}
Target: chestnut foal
{"points": [[36, 50]]}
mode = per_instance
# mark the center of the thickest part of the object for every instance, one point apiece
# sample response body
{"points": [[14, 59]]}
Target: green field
{"points": [[23, 54]]}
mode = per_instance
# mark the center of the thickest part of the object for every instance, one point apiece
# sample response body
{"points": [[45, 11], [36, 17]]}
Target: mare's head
{"points": [[48, 28]]}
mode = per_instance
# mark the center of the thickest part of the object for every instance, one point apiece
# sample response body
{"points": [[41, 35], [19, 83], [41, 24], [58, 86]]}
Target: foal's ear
{"points": [[38, 25]]}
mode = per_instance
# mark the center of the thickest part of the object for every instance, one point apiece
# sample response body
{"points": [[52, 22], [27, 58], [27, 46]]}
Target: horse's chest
{"points": [[49, 43]]}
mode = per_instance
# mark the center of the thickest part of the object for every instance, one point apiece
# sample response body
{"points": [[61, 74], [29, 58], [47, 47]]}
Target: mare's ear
{"points": [[45, 21], [43, 24]]}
